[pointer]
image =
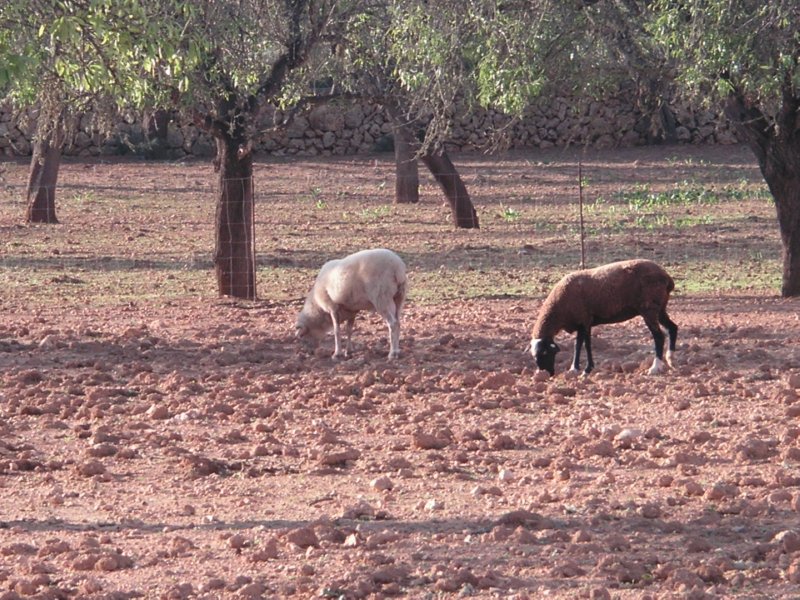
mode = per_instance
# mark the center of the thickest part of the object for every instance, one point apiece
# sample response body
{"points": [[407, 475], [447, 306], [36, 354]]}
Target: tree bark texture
{"points": [[776, 146], [442, 168], [156, 124], [406, 185], [234, 255], [788, 210], [42, 179], [156, 127]]}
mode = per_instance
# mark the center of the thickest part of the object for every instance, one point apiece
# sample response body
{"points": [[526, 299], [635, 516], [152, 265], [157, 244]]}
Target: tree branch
{"points": [[752, 123], [788, 117]]}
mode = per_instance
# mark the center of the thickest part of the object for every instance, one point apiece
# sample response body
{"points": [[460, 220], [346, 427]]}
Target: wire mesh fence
{"points": [[134, 230]]}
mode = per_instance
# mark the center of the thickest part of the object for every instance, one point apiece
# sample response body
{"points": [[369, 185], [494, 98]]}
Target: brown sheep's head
{"points": [[544, 353]]}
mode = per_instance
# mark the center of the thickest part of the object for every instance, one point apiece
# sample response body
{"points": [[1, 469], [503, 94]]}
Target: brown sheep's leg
{"points": [[576, 358], [672, 328], [583, 338], [587, 341], [658, 338]]}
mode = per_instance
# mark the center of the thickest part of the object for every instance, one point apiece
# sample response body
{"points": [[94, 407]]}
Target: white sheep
{"points": [[367, 280], [612, 293]]}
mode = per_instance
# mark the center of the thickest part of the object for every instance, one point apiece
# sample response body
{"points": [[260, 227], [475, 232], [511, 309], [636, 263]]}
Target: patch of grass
{"points": [[745, 190], [314, 197], [642, 197], [675, 161], [375, 213], [651, 221], [693, 221], [688, 193], [107, 287], [448, 284], [717, 276], [84, 197], [508, 213]]}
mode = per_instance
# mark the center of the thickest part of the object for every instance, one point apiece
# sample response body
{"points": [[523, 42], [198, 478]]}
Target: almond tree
{"points": [[745, 55], [62, 58], [422, 82], [425, 63], [235, 58], [216, 61], [740, 55]]}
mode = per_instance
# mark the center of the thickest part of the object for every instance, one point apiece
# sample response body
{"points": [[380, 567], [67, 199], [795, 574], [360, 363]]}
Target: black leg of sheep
{"points": [[583, 338], [672, 328], [652, 321]]}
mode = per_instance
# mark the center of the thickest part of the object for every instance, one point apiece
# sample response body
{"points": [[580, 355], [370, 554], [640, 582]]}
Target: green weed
{"points": [[509, 213], [84, 197], [642, 197], [693, 221], [674, 161], [314, 197], [375, 213]]}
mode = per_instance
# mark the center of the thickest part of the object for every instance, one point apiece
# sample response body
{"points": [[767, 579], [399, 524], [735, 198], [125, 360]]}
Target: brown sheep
{"points": [[611, 293]]}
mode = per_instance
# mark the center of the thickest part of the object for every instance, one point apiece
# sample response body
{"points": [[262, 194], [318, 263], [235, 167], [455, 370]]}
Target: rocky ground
{"points": [[171, 455]]}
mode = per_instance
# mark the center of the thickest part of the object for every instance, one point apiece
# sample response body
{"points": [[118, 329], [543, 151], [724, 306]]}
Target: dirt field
{"points": [[159, 442]]}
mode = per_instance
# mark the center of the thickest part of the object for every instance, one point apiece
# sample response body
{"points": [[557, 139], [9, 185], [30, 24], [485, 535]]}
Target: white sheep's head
{"points": [[312, 326], [544, 353]]}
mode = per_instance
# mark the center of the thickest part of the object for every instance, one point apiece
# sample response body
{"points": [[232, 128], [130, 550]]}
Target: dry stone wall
{"points": [[339, 129]]}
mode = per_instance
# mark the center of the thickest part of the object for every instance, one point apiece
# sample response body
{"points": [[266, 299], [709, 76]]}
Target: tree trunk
{"points": [[156, 124], [406, 185], [778, 152], [406, 146], [46, 160], [234, 256], [787, 203], [442, 168]]}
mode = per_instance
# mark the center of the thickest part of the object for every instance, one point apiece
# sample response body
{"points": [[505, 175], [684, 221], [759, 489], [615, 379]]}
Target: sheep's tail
{"points": [[400, 296], [670, 288], [402, 289]]}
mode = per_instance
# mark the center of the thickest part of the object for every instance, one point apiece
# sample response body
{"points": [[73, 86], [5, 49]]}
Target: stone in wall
{"points": [[326, 118], [297, 128]]}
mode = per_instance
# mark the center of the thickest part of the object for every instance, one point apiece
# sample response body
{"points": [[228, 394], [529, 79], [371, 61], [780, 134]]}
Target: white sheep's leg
{"points": [[392, 319], [394, 338], [349, 326], [337, 341], [668, 358]]}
